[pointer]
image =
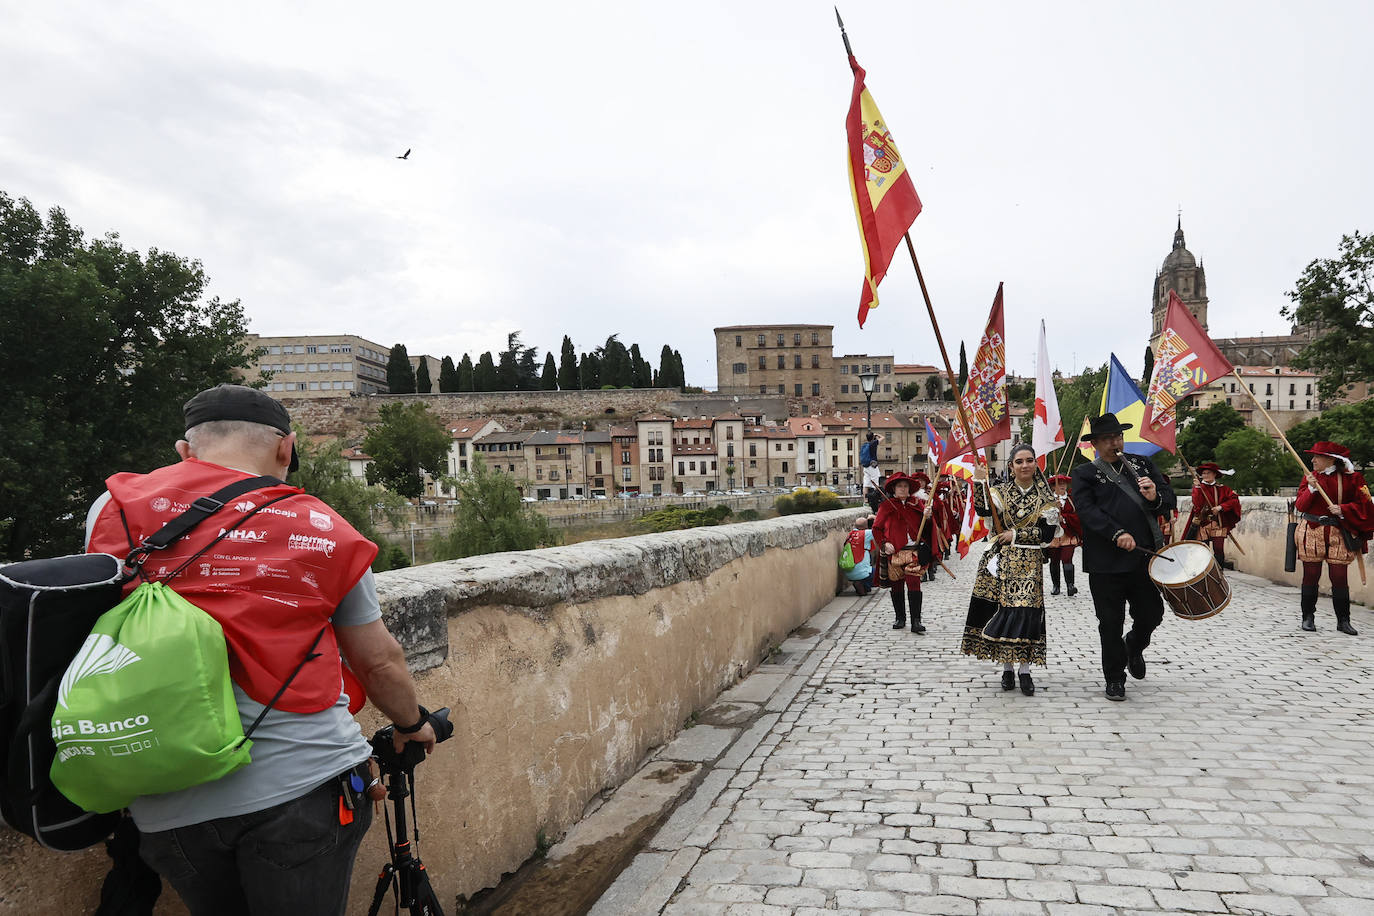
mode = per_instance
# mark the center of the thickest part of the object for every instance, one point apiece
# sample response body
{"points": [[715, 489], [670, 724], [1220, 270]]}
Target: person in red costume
{"points": [[1060, 550], [1216, 510], [1332, 536], [289, 581], [907, 541]]}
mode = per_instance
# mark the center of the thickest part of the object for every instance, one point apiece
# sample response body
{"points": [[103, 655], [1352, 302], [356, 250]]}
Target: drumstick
{"points": [[1160, 554]]}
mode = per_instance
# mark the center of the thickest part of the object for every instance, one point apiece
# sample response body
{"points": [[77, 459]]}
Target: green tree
{"points": [[491, 517], [400, 377], [644, 373], [910, 391], [568, 377], [1262, 465], [465, 374], [484, 377], [589, 370], [933, 388], [102, 346], [616, 367], [679, 372], [1352, 425], [549, 380], [407, 441], [667, 369], [448, 375], [1198, 439], [963, 368], [422, 382], [1149, 368], [324, 474], [1336, 296]]}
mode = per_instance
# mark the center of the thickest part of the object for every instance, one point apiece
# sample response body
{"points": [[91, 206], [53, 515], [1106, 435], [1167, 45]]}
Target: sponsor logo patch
{"points": [[321, 520], [311, 543], [244, 534], [272, 572], [160, 504], [99, 654], [244, 505]]}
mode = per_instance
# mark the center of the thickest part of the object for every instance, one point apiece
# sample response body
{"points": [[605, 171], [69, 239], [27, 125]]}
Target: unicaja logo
{"points": [[99, 654]]}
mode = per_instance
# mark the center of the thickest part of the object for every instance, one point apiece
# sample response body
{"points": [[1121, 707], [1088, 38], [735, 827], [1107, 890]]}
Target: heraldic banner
{"points": [[885, 200], [985, 396], [1187, 360]]}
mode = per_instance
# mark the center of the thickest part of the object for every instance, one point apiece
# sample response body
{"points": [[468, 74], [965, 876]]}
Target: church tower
{"points": [[1184, 275]]}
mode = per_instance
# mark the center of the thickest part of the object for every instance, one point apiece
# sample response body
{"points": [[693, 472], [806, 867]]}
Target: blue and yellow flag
{"points": [[1121, 397]]}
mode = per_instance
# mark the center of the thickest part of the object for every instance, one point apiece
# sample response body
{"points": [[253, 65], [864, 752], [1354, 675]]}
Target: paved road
{"points": [[886, 773]]}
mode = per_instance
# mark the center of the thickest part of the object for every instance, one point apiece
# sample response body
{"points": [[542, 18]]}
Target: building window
{"points": [[797, 389], [763, 389], [730, 450], [815, 361], [796, 361], [1308, 391], [844, 369], [796, 340], [1267, 405], [1292, 389], [853, 370], [624, 457], [1290, 405], [834, 445], [625, 475], [312, 349], [844, 389], [740, 368], [753, 449], [887, 388], [739, 340], [729, 432], [763, 362], [782, 340], [681, 468], [763, 342], [887, 368], [815, 389], [815, 338], [782, 362], [782, 389], [1268, 389]]}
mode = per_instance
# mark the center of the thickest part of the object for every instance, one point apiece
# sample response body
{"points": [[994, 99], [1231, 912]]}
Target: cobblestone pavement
{"points": [[897, 777]]}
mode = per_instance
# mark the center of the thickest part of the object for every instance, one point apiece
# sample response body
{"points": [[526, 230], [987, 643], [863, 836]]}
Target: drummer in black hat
{"points": [[1119, 499]]}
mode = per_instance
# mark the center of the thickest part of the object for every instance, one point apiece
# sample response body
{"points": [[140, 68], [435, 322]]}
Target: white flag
{"points": [[1047, 431]]}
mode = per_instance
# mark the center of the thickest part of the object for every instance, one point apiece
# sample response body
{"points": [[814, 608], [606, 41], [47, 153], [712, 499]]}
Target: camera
{"points": [[391, 762]]}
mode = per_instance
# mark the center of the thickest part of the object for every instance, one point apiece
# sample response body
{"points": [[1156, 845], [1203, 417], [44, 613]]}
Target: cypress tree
{"points": [[549, 380], [422, 382], [465, 380], [400, 378], [643, 372], [679, 373], [448, 375], [569, 379], [1149, 368], [484, 377], [666, 369], [589, 370], [963, 369]]}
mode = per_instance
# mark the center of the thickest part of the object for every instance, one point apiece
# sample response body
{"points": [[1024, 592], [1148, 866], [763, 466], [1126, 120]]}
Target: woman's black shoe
{"points": [[1027, 685], [1008, 680]]}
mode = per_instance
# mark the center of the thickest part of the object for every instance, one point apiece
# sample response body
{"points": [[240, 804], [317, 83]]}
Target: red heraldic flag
{"points": [[985, 396], [885, 200], [1186, 361]]}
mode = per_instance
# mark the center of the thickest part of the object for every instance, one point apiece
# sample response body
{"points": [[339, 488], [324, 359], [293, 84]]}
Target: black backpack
{"points": [[47, 609]]}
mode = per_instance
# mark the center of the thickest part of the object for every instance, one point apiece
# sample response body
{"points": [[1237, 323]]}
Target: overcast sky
{"points": [[657, 170]]}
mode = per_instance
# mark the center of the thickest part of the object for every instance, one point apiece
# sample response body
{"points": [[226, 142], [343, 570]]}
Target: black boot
{"points": [[1054, 577], [1340, 600], [1308, 602], [899, 607], [917, 599], [1068, 579]]}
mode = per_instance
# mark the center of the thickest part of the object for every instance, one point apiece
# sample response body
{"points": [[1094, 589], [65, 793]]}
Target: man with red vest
{"points": [[290, 582], [907, 540], [1337, 523], [1216, 510]]}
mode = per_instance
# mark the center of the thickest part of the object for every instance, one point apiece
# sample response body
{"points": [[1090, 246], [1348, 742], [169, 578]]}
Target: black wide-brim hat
{"points": [[1105, 425], [239, 402]]}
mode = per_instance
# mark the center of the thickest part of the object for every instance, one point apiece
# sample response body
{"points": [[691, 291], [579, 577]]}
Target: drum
{"points": [[1192, 583]]}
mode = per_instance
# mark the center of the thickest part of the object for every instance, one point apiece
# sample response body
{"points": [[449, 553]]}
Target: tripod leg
{"points": [[424, 902], [384, 882]]}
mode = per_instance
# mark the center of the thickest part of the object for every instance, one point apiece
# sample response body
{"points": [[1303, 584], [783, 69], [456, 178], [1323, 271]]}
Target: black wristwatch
{"points": [[412, 729]]}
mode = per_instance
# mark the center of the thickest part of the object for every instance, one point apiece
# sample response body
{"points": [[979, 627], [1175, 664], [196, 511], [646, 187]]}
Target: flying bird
{"points": [[405, 155]]}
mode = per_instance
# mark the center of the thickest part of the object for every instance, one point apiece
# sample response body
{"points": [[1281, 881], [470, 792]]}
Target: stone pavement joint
{"points": [[882, 772]]}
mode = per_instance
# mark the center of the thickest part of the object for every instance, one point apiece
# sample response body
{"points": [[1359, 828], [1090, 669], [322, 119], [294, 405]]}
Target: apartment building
{"points": [[319, 366], [791, 360], [625, 459], [654, 435], [849, 392]]}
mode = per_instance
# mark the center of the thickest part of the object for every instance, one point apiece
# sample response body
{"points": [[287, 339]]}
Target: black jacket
{"points": [[1104, 509]]}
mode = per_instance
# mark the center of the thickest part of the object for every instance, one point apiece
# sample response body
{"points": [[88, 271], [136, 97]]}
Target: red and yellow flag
{"points": [[1186, 361], [985, 396], [885, 200]]}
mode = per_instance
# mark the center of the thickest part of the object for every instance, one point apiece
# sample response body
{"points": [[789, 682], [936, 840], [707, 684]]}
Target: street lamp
{"points": [[868, 381]]}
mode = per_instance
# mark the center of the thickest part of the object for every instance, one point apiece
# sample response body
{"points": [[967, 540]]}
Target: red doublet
{"points": [[272, 583], [1073, 528], [898, 523], [1225, 506], [1351, 493]]}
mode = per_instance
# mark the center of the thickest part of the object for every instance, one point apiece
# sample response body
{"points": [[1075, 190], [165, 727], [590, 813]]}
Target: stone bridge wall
{"points": [[563, 668], [1262, 534]]}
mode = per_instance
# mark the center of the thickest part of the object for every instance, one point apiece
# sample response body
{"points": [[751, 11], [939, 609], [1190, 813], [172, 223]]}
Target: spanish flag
{"points": [[885, 200]]}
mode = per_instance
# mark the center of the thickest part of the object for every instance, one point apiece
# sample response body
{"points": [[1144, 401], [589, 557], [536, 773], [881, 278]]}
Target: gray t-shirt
{"points": [[292, 752]]}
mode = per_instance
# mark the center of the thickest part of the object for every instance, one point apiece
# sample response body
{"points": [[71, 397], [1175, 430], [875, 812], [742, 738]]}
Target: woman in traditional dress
{"points": [[1006, 615]]}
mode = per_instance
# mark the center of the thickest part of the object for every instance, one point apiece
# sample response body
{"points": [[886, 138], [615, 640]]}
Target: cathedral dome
{"points": [[1180, 256]]}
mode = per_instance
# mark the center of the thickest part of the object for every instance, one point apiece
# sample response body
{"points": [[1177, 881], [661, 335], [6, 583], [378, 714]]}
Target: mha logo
{"points": [[244, 535]]}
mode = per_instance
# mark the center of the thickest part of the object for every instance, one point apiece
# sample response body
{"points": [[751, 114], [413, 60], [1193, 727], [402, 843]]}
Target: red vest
{"points": [[272, 583]]}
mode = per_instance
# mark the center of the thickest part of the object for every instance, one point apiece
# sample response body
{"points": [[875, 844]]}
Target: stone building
{"points": [[319, 365], [849, 392], [625, 459], [790, 360], [1184, 274], [655, 439]]}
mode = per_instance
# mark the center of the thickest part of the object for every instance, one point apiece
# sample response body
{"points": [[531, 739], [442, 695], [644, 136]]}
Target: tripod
{"points": [[405, 874]]}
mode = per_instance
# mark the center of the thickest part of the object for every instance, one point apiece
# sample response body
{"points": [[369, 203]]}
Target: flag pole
{"points": [[1244, 386], [1197, 482], [949, 374]]}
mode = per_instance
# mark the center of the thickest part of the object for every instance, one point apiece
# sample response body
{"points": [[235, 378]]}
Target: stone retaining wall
{"points": [[1262, 534], [563, 669]]}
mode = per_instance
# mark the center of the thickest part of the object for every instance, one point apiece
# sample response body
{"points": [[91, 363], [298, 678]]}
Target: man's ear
{"points": [[284, 447], [183, 449]]}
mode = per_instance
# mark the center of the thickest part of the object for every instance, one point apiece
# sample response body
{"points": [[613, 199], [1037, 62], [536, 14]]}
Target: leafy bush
{"points": [[391, 556], [747, 515], [805, 499], [676, 518]]}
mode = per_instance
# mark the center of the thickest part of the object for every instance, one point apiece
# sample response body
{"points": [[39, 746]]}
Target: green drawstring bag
{"points": [[847, 557], [146, 706]]}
